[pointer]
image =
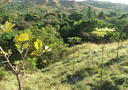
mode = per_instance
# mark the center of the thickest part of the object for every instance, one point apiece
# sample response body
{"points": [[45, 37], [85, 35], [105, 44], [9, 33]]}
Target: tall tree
{"points": [[89, 12], [101, 15], [112, 13]]}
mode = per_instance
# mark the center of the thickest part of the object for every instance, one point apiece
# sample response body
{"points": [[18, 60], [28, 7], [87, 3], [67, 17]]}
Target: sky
{"points": [[114, 1]]}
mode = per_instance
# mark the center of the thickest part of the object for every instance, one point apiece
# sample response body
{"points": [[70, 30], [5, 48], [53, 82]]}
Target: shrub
{"points": [[103, 35], [75, 16], [74, 40], [3, 73], [106, 85], [50, 37]]}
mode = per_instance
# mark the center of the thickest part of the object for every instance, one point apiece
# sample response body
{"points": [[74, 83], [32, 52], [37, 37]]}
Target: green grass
{"points": [[80, 70]]}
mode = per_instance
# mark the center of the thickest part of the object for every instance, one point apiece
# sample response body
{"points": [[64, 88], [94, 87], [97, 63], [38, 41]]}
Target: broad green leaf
{"points": [[7, 53], [22, 37], [1, 53], [18, 45], [26, 45], [38, 44], [34, 53], [8, 26]]}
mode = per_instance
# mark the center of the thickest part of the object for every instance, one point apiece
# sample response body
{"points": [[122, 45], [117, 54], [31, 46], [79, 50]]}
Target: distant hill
{"points": [[108, 5], [70, 5], [49, 2]]}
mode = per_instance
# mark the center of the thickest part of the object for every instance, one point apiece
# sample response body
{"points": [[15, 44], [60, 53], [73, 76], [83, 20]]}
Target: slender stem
{"points": [[102, 61], [73, 57], [26, 53], [19, 82], [117, 52], [22, 56], [10, 65]]}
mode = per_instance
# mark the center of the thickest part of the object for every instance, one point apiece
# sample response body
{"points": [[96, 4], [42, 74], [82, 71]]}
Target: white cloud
{"points": [[114, 1], [117, 1]]}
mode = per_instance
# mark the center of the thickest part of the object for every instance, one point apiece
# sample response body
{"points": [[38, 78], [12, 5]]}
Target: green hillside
{"points": [[83, 69], [63, 45], [108, 5]]}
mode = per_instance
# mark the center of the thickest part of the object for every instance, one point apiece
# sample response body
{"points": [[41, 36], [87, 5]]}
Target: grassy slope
{"points": [[80, 70]]}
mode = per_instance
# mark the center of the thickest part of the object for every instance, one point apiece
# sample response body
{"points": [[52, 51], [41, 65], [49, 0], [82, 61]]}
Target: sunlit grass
{"points": [[85, 60]]}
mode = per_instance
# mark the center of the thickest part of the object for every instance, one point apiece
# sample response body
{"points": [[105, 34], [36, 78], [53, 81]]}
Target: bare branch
{"points": [[12, 68]]}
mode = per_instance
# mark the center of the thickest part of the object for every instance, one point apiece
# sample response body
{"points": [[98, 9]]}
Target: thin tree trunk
{"points": [[117, 51], [102, 61], [19, 82], [10, 65]]}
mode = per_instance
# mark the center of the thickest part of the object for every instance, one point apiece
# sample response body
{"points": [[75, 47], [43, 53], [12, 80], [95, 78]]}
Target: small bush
{"points": [[103, 35], [106, 85], [3, 73]]}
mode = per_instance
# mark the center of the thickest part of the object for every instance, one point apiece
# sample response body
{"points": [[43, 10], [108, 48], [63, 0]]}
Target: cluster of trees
{"points": [[31, 40], [54, 29]]}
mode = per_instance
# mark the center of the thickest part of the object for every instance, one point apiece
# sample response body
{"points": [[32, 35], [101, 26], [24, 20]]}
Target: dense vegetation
{"points": [[35, 39]]}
